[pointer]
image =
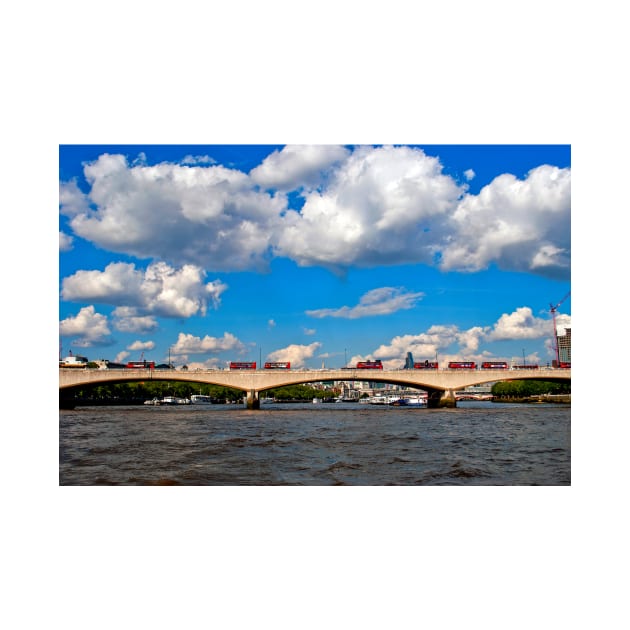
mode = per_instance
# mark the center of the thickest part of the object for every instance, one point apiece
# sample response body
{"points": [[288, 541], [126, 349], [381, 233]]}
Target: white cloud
{"points": [[521, 225], [470, 339], [520, 324], [72, 201], [309, 331], [382, 301], [562, 322], [127, 319], [295, 353], [208, 364], [65, 242], [181, 214], [297, 165], [160, 289], [365, 207], [465, 344], [469, 174], [88, 327], [141, 345], [189, 344], [423, 346], [382, 206], [122, 356], [198, 159], [271, 323]]}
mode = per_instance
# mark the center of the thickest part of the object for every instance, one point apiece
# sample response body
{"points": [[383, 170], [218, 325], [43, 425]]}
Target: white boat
{"points": [[410, 401], [156, 402], [174, 400], [379, 400], [200, 399]]}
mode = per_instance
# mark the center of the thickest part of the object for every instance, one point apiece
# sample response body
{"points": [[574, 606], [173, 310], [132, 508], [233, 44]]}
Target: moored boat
{"points": [[200, 399], [175, 400]]}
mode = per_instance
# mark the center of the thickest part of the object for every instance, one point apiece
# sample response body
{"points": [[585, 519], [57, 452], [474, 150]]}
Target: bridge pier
{"points": [[253, 400], [438, 399]]}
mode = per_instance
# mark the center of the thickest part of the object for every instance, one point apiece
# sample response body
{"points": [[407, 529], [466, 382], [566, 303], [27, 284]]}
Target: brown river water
{"points": [[478, 443]]}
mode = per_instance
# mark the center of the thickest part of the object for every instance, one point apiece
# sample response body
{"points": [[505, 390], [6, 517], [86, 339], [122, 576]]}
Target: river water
{"points": [[478, 443]]}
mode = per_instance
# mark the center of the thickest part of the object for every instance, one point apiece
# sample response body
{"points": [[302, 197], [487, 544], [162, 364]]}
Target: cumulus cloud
{"points": [[65, 242], [295, 353], [159, 290], [88, 327], [469, 174], [189, 344], [127, 319], [296, 166], [208, 364], [470, 339], [381, 301], [384, 205], [122, 356], [521, 225], [520, 324], [72, 201], [365, 207], [452, 343], [141, 345], [423, 346], [181, 214]]}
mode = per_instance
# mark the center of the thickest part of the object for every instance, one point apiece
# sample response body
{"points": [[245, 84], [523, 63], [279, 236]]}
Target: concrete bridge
{"points": [[440, 385]]}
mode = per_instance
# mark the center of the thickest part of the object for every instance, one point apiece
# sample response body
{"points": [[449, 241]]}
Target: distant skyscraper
{"points": [[564, 346], [409, 362]]}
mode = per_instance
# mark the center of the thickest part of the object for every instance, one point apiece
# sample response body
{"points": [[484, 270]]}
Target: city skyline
{"points": [[321, 255]]}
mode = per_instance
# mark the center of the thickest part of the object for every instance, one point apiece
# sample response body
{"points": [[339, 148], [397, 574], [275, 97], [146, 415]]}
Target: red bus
{"points": [[138, 365], [278, 365], [462, 365], [243, 365], [564, 365], [494, 365], [370, 365], [427, 365]]}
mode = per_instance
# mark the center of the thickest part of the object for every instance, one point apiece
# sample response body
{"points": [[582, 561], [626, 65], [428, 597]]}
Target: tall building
{"points": [[564, 346], [409, 361]]}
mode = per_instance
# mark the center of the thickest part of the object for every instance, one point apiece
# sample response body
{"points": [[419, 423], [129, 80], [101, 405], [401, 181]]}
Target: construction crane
{"points": [[553, 310]]}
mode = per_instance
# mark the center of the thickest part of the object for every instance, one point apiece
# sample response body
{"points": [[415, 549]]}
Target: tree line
{"points": [[523, 389]]}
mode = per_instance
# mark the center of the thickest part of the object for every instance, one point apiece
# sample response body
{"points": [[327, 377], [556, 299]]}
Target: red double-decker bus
{"points": [[278, 365], [462, 365], [427, 365], [494, 365], [242, 365], [370, 365], [137, 365]]}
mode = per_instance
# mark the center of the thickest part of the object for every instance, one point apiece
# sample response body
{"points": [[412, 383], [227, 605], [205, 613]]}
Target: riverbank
{"points": [[564, 399]]}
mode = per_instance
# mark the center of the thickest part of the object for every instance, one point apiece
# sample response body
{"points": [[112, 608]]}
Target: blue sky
{"points": [[318, 254]]}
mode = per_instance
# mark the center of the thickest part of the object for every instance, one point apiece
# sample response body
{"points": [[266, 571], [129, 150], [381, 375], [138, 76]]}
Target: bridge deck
{"points": [[261, 380]]}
